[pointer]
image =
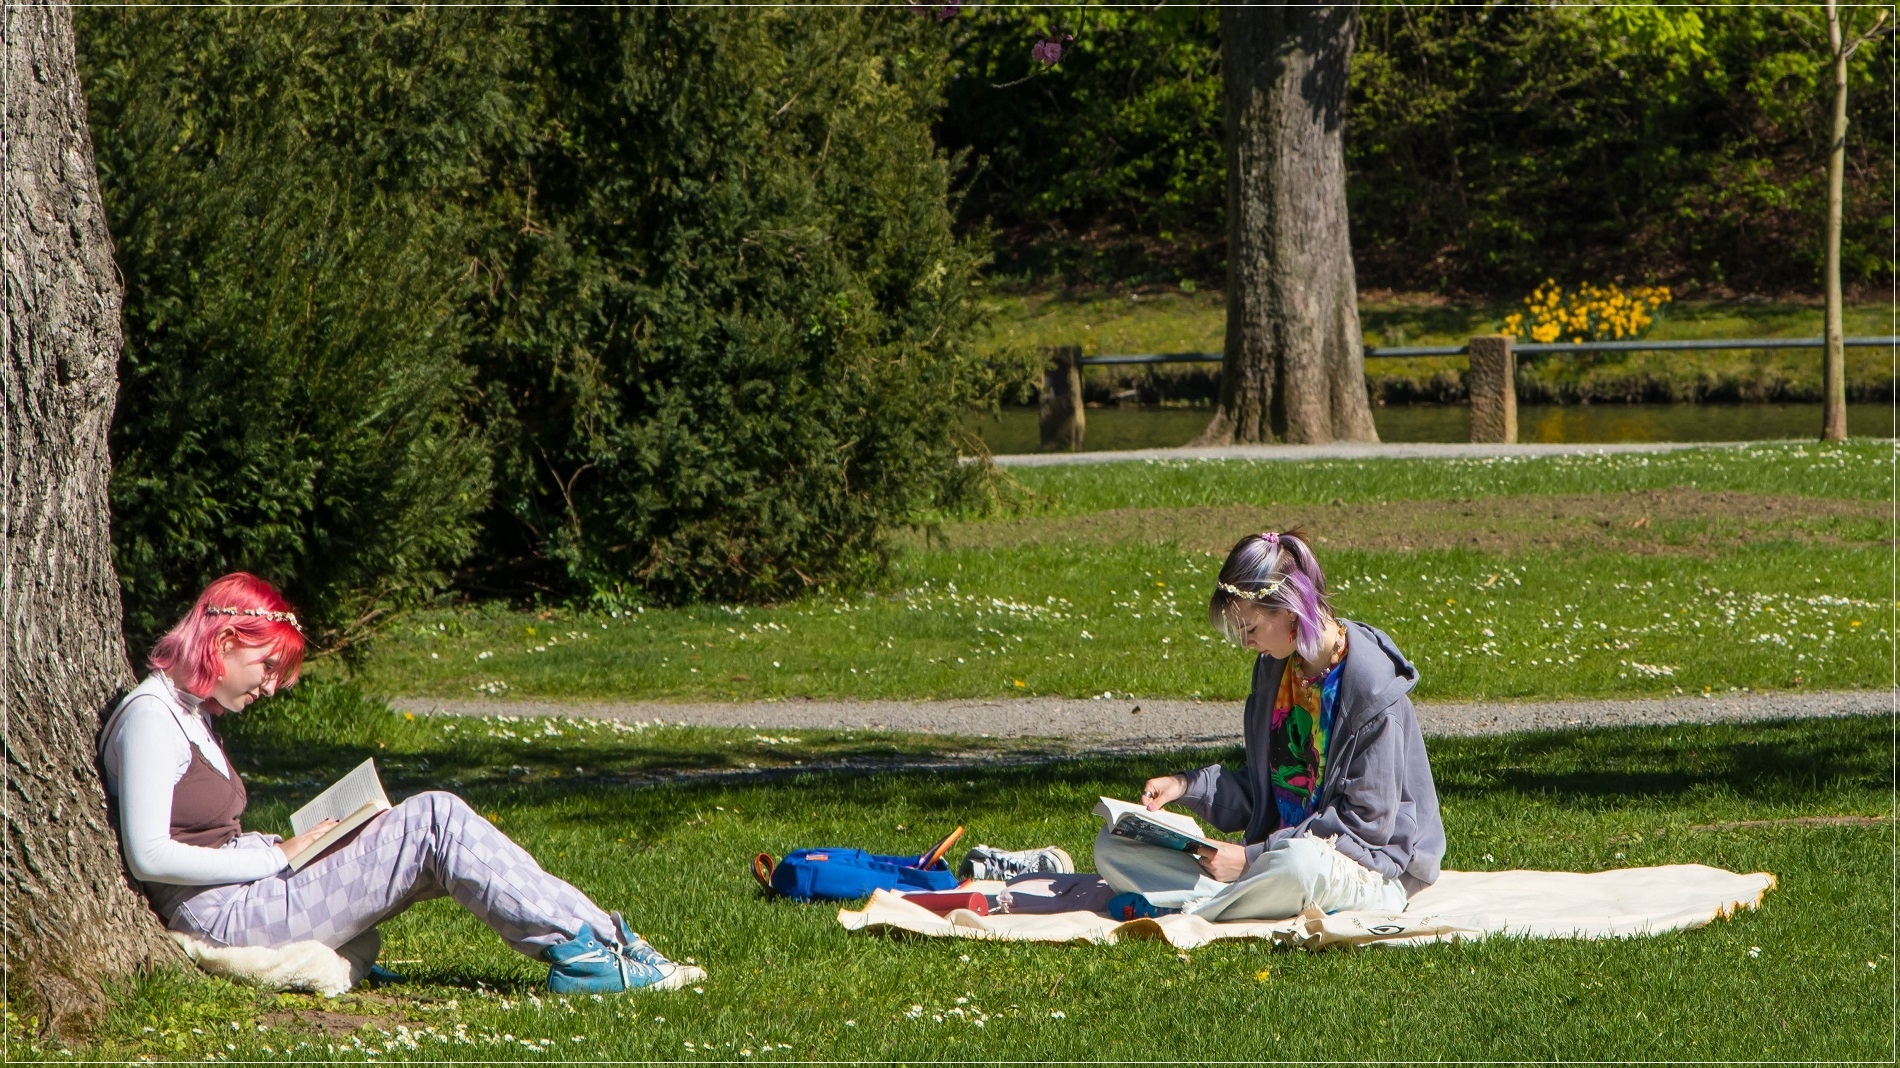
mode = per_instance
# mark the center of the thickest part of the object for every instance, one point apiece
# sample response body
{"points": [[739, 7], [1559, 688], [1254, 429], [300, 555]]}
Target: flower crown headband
{"points": [[1260, 594], [261, 613]]}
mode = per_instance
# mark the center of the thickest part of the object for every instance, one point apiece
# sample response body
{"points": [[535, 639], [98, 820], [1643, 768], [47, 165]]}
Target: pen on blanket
{"points": [[936, 853]]}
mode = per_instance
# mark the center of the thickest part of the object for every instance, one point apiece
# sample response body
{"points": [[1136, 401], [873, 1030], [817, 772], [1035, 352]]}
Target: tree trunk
{"points": [[1834, 362], [72, 918], [1295, 369]]}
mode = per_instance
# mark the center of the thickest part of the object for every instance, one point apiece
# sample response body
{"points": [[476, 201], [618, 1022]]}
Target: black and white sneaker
{"points": [[988, 862]]}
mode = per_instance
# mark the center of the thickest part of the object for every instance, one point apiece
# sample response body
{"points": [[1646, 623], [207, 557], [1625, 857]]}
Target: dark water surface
{"points": [[1137, 427]]}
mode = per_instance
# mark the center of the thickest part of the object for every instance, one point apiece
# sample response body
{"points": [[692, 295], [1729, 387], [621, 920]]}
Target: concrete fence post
{"points": [[1492, 385], [1062, 418]]}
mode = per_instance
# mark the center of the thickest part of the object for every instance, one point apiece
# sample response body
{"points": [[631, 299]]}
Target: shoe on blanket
{"points": [[1127, 907], [988, 862], [586, 965]]}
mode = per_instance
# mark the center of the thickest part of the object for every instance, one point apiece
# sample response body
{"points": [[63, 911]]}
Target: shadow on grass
{"points": [[645, 780]]}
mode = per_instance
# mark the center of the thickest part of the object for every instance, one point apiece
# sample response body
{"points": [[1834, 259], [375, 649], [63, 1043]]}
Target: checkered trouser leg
{"points": [[431, 845]]}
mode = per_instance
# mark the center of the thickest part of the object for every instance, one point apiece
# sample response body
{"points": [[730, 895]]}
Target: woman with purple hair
{"points": [[1336, 795]]}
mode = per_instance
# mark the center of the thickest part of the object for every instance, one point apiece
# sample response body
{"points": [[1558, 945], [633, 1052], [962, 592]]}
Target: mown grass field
{"points": [[659, 821], [1761, 567], [1630, 575]]}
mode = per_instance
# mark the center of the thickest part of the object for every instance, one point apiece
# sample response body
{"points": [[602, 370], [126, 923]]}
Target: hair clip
{"points": [[1253, 595], [261, 613], [1270, 537]]}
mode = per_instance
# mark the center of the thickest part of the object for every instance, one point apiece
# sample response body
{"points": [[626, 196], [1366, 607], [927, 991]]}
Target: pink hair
{"points": [[189, 651]]}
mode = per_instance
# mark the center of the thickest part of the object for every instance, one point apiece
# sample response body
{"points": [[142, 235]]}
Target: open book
{"points": [[1165, 829], [352, 801]]}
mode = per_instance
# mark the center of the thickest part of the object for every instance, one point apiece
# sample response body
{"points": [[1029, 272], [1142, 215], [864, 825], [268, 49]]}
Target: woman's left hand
{"points": [[1225, 863]]}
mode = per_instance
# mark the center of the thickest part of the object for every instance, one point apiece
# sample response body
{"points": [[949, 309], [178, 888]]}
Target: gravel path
{"points": [[1413, 450], [1142, 723]]}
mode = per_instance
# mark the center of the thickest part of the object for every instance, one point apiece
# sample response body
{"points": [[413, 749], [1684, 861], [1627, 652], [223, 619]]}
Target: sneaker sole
{"points": [[683, 976]]}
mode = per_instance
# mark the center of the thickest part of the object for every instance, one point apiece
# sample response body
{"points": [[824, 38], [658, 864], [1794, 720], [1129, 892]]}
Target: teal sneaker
{"points": [[586, 965], [674, 976]]}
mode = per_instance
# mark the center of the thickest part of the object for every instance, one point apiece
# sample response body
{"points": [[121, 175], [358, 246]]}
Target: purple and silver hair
{"points": [[1275, 570]]}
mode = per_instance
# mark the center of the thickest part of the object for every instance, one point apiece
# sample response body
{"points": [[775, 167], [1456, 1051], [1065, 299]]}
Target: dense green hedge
{"points": [[291, 397], [726, 345], [1489, 147], [639, 304]]}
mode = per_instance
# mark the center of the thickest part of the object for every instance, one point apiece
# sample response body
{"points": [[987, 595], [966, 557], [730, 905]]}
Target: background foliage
{"points": [[291, 397], [1489, 147], [725, 340], [669, 305], [644, 305]]}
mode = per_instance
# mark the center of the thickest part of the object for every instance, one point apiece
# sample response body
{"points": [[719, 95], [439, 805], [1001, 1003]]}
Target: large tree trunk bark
{"points": [[71, 917], [1834, 359], [1295, 368]]}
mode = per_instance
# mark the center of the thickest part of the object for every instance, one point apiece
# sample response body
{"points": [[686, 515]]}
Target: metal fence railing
{"points": [[1530, 348]]}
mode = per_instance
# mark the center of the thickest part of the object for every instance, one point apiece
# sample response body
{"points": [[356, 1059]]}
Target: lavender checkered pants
{"points": [[432, 845]]}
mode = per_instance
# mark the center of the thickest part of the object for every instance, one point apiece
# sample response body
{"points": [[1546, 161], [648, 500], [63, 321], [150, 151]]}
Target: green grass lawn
{"points": [[1763, 567], [1806, 977]]}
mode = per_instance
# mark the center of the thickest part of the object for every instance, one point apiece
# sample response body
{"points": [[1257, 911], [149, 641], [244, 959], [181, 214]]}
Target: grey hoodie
{"points": [[1376, 794]]}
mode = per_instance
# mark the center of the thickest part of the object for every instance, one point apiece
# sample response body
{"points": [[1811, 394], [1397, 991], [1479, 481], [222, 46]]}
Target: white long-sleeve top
{"points": [[146, 748]]}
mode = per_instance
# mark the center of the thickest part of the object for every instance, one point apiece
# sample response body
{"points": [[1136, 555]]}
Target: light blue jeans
{"points": [[1294, 875]]}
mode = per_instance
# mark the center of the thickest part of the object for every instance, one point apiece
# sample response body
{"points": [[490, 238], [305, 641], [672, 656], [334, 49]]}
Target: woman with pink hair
{"points": [[179, 800], [1336, 797]]}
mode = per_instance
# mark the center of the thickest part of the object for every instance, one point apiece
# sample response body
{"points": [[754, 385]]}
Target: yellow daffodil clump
{"points": [[1590, 313]]}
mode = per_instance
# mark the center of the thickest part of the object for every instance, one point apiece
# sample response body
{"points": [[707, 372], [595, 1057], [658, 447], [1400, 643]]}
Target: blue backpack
{"points": [[847, 874]]}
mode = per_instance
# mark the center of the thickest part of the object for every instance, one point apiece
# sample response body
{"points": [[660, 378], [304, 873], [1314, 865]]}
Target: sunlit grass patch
{"points": [[1858, 470], [1082, 620]]}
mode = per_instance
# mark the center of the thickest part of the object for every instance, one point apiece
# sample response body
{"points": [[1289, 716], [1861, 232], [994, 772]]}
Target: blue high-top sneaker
{"points": [[674, 976], [586, 965]]}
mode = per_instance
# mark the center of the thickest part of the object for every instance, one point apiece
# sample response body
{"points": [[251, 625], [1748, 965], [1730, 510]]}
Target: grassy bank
{"points": [[630, 815], [1764, 567], [1173, 321]]}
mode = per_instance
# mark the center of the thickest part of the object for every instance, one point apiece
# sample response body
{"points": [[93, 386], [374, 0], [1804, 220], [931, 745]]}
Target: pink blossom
{"points": [[1048, 50]]}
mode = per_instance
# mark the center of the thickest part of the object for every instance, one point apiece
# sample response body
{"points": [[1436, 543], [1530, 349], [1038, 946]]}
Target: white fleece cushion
{"points": [[309, 967]]}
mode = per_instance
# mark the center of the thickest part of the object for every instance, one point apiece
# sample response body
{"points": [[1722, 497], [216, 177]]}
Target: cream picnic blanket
{"points": [[1461, 905]]}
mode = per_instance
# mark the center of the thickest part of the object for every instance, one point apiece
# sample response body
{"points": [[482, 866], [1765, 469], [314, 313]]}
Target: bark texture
{"points": [[71, 917], [1295, 366], [1834, 358]]}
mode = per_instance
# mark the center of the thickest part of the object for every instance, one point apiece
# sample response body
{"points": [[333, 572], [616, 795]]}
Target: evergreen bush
{"points": [[292, 400], [726, 347], [682, 282]]}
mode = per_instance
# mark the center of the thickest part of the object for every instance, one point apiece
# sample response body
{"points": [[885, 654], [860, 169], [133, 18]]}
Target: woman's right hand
{"points": [[1161, 791], [296, 844]]}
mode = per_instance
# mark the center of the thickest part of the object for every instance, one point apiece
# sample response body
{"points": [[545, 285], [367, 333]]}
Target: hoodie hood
{"points": [[1383, 677]]}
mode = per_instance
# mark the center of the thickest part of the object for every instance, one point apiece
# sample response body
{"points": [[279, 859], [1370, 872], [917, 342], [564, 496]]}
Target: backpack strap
{"points": [[762, 867]]}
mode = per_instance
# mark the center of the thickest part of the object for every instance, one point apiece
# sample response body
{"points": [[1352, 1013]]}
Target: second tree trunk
{"points": [[1295, 368]]}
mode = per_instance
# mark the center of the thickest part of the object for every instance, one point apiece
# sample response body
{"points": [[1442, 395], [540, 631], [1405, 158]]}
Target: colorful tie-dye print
{"points": [[1302, 722]]}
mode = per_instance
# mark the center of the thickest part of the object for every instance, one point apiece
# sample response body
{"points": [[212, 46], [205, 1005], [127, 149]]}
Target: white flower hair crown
{"points": [[261, 613], [1260, 594]]}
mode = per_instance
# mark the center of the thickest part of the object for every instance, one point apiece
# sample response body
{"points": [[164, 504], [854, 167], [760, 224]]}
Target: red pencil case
{"points": [[944, 902]]}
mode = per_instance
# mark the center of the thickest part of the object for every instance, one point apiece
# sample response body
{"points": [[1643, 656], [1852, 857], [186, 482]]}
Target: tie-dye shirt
{"points": [[1302, 723]]}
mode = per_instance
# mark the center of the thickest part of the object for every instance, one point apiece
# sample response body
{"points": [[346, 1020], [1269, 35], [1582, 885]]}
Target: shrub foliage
{"points": [[291, 400], [642, 304], [725, 343]]}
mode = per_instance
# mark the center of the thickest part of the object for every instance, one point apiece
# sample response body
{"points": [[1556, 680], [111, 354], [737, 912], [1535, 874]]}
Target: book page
{"points": [[343, 799], [1113, 811]]}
